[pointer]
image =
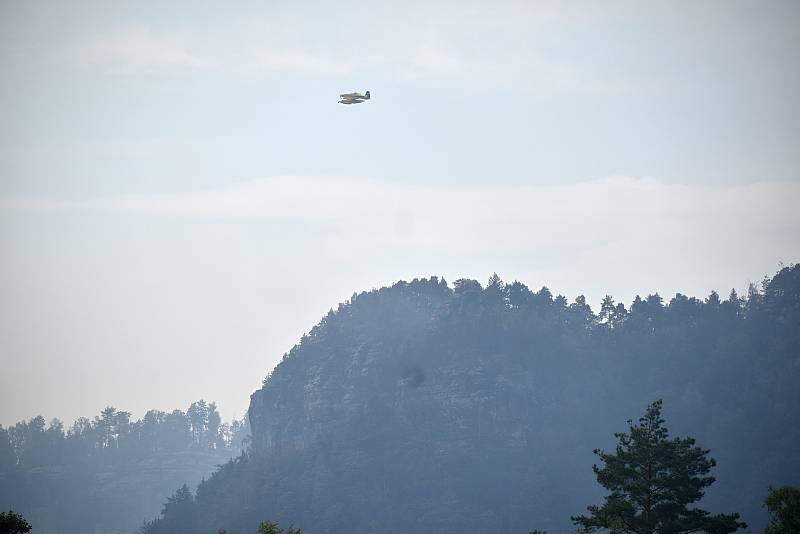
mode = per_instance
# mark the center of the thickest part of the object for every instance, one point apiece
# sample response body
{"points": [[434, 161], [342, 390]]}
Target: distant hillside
{"points": [[108, 474], [422, 407]]}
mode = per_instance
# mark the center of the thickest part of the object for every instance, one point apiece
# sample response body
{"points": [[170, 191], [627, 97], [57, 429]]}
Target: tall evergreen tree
{"points": [[7, 457], [213, 430], [268, 527], [198, 421], [784, 508], [653, 480], [13, 523]]}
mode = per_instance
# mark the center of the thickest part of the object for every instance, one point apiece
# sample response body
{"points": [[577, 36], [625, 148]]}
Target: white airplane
{"points": [[353, 98]]}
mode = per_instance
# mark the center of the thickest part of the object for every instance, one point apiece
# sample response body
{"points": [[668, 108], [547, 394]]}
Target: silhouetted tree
{"points": [[214, 439], [13, 523], [784, 509], [268, 527], [519, 363], [7, 457], [197, 414], [652, 479], [176, 515], [177, 434], [607, 308], [105, 424]]}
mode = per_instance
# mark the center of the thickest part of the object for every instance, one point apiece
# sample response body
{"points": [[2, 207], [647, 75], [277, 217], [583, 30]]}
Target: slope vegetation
{"points": [[476, 409]]}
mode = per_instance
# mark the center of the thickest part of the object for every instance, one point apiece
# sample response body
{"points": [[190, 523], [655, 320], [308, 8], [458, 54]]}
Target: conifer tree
{"points": [[652, 480], [268, 527], [784, 509], [13, 523]]}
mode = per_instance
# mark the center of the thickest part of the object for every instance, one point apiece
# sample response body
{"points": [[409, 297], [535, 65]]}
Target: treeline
{"points": [[475, 407], [112, 437], [487, 312], [107, 473]]}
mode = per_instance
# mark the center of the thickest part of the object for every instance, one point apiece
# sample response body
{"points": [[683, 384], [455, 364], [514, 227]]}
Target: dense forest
{"points": [[105, 474], [476, 409]]}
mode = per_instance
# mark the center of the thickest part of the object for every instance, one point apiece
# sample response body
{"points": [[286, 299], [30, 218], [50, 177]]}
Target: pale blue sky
{"points": [[181, 196]]}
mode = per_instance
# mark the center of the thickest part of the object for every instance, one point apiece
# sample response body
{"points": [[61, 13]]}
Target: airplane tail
{"points": [[367, 95]]}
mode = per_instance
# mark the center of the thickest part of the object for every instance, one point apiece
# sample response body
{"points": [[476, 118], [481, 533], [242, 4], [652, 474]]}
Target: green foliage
{"points": [[652, 480], [268, 527], [784, 508], [13, 523], [176, 515], [112, 438], [110, 471], [472, 409]]}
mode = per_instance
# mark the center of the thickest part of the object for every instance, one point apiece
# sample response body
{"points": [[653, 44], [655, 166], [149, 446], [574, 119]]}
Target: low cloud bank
{"points": [[140, 289], [623, 213]]}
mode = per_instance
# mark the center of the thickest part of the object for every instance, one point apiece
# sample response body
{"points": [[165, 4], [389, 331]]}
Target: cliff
{"points": [[477, 409]]}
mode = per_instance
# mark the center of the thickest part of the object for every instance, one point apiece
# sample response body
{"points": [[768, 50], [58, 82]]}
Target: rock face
{"points": [[425, 434], [420, 407]]}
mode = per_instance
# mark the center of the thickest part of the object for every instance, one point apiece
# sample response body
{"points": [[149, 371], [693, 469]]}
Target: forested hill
{"points": [[476, 409], [109, 473], [422, 407]]}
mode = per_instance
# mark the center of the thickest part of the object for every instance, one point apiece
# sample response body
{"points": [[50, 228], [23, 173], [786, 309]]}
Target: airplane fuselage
{"points": [[353, 98]]}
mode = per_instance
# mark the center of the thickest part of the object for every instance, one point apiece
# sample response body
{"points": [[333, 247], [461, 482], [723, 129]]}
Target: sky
{"points": [[181, 197]]}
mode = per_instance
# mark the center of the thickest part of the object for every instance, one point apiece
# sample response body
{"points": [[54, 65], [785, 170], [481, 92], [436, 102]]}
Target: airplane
{"points": [[353, 98]]}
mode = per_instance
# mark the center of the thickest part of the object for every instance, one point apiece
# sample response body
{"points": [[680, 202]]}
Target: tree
{"points": [[607, 309], [784, 509], [105, 424], [494, 281], [177, 513], [150, 429], [176, 431], [13, 523], [268, 527], [176, 516], [652, 479], [213, 430], [198, 420], [178, 503], [8, 458]]}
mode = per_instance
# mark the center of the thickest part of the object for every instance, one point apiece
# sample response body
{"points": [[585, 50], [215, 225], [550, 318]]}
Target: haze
{"points": [[181, 197]]}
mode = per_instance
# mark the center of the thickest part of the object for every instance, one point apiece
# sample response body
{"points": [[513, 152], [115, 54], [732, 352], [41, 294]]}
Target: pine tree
{"points": [[8, 458], [268, 527], [652, 480], [13, 523], [784, 509]]}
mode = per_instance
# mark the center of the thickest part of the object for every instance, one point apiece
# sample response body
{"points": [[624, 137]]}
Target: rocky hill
{"points": [[476, 409]]}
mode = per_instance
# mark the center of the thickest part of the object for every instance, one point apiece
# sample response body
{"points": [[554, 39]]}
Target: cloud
{"points": [[243, 270], [141, 50], [589, 219], [424, 62], [276, 60], [432, 60]]}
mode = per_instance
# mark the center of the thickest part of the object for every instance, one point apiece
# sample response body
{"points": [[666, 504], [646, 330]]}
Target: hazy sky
{"points": [[181, 197]]}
